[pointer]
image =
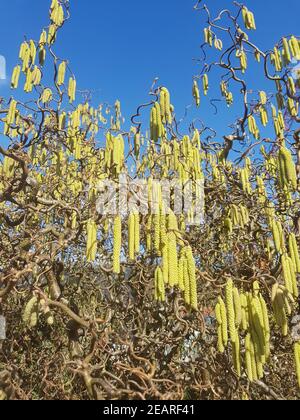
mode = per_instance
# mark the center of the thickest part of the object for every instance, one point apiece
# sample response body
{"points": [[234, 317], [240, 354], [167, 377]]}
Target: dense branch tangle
{"points": [[127, 306]]}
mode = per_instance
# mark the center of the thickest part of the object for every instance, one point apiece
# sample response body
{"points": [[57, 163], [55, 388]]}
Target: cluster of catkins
{"points": [[163, 239], [33, 309], [243, 320]]}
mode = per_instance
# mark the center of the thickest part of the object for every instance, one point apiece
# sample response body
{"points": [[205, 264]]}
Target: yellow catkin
{"points": [[286, 159], [72, 89], [15, 77], [248, 357], [29, 309], [148, 234], [192, 277], [131, 236], [165, 259], [292, 268], [297, 360], [172, 259], [163, 226], [236, 354], [205, 84], [166, 106], [91, 249], [137, 232], [278, 303], [156, 227], [218, 314], [11, 115], [61, 73], [187, 296], [159, 126], [221, 347], [159, 285], [287, 273], [294, 251], [266, 325], [237, 307], [230, 309], [117, 244], [253, 361], [276, 236], [224, 321], [286, 50], [196, 93], [260, 368], [258, 325], [181, 272]]}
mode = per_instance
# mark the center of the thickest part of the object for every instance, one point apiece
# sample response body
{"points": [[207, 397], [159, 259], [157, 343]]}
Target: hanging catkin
{"points": [[224, 321], [248, 357], [30, 313], [117, 244], [91, 246], [237, 307], [187, 296], [236, 354], [266, 325], [148, 233], [288, 165], [181, 271], [192, 278], [137, 232], [230, 309], [172, 259], [287, 273], [131, 236], [294, 251], [159, 286], [221, 317], [297, 360]]}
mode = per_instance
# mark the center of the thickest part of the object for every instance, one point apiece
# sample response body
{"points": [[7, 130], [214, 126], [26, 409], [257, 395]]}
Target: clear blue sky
{"points": [[116, 48]]}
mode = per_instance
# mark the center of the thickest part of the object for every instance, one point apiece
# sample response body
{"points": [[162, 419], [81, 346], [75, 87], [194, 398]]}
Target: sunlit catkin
{"points": [[196, 93], [248, 357], [192, 278], [30, 313], [297, 360], [294, 251], [159, 286], [286, 160], [230, 309], [61, 73], [287, 273], [15, 77], [117, 244], [224, 321], [72, 89], [172, 259], [236, 354], [205, 84], [136, 232], [91, 247], [187, 295], [131, 236], [237, 307]]}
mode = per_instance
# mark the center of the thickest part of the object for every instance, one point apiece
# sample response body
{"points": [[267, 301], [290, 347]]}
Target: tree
{"points": [[157, 300]]}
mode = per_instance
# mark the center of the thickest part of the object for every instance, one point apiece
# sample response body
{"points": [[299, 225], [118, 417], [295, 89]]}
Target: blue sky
{"points": [[116, 48]]}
